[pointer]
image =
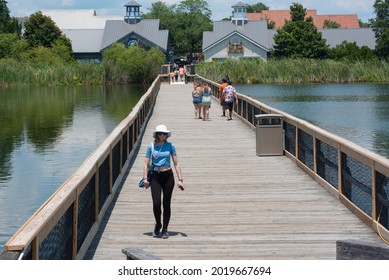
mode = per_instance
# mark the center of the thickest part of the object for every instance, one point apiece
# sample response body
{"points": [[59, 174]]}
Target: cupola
{"points": [[132, 13], [239, 14]]}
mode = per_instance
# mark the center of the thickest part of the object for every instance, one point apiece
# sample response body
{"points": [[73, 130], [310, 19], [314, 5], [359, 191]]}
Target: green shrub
{"points": [[133, 64]]}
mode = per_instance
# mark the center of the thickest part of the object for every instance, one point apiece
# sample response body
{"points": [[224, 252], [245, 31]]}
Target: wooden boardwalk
{"points": [[236, 205]]}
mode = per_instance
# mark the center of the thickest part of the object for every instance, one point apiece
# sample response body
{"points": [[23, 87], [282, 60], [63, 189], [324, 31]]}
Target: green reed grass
{"points": [[295, 71], [251, 71], [14, 72]]}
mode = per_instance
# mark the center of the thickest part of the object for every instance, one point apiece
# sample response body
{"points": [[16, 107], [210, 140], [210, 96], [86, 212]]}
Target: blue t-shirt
{"points": [[162, 154]]}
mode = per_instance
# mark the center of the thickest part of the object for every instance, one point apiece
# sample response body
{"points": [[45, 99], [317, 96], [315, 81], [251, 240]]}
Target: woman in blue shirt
{"points": [[162, 181]]}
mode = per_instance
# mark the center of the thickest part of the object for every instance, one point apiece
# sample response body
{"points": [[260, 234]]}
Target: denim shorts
{"points": [[197, 100]]}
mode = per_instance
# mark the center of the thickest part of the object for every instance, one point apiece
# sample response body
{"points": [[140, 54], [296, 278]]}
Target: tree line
{"points": [[299, 38]]}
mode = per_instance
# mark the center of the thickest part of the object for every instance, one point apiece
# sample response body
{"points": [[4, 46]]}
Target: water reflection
{"points": [[45, 134], [357, 112]]}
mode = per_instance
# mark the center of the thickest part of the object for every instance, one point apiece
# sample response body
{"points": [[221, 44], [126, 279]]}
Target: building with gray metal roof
{"points": [[91, 34], [242, 38], [239, 38]]}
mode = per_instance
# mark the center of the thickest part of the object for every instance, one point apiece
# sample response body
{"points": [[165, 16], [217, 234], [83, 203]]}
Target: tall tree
{"points": [[8, 24], [364, 24], [299, 37], [330, 24], [46, 40], [193, 17], [165, 13], [41, 30], [257, 8], [381, 28], [185, 22]]}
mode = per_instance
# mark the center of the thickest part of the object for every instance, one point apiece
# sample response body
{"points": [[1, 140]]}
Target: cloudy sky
{"points": [[220, 8]]}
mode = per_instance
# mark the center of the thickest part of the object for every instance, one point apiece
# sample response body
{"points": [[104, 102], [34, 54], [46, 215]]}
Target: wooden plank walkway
{"points": [[236, 205]]}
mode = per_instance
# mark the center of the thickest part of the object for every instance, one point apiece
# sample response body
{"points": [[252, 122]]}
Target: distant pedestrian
{"points": [[162, 180], [230, 99], [181, 71], [197, 100], [172, 77], [206, 100], [222, 96]]}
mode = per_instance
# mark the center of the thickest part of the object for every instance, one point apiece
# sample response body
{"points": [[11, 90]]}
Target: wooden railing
{"points": [[65, 225], [357, 177]]}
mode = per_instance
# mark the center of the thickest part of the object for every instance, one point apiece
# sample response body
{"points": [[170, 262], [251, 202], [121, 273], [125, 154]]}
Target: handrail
{"points": [[358, 177], [65, 225]]}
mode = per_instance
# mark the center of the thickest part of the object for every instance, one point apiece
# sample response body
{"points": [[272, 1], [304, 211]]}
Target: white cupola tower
{"points": [[239, 14], [132, 13]]}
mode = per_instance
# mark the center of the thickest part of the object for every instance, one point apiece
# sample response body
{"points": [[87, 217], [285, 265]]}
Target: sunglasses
{"points": [[161, 133]]}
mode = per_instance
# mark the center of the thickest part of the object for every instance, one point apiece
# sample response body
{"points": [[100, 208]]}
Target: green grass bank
{"points": [[255, 71], [13, 72]]}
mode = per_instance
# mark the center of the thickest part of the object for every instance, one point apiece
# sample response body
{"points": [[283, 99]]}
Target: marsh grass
{"points": [[14, 72], [256, 71], [245, 71]]}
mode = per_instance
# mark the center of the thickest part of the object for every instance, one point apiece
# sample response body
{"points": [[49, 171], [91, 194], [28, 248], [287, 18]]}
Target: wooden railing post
{"points": [[97, 193], [340, 187], [373, 192], [314, 152], [75, 225], [110, 164]]}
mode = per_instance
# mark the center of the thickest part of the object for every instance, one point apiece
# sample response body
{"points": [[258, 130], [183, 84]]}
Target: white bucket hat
{"points": [[162, 128]]}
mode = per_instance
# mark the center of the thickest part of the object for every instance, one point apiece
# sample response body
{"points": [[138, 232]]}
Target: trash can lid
{"points": [[268, 116]]}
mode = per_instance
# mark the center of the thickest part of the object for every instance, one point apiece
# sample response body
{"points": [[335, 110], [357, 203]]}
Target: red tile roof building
{"points": [[279, 17]]}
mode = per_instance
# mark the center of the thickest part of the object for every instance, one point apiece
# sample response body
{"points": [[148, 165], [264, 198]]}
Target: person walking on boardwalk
{"points": [[171, 77], [181, 71], [176, 75], [197, 100], [230, 97], [222, 96], [162, 181], [206, 101]]}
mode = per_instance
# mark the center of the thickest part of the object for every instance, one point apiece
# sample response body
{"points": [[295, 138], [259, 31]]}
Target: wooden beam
{"points": [[133, 253], [10, 255], [361, 250]]}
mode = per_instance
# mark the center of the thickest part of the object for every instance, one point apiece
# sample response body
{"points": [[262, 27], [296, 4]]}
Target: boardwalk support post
{"points": [[361, 250], [134, 253]]}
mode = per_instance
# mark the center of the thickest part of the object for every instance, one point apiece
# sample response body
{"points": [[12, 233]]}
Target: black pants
{"points": [[162, 183]]}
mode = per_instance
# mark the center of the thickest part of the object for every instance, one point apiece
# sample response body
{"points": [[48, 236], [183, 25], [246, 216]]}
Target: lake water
{"points": [[45, 135], [357, 112]]}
